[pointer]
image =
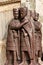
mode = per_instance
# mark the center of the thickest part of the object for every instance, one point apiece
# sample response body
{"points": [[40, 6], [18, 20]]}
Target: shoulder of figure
{"points": [[11, 21], [38, 23], [14, 22]]}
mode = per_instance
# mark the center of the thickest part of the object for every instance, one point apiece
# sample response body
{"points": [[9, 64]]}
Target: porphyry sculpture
{"points": [[38, 34], [20, 46], [26, 33], [13, 39]]}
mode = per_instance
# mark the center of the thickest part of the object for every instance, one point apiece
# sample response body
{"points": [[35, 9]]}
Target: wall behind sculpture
{"points": [[28, 3]]}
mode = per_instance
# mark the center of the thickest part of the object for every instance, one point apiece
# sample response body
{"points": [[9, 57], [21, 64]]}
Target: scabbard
{"points": [[19, 43], [32, 42]]}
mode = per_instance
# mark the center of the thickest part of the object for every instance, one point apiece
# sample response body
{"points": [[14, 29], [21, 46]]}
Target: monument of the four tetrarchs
{"points": [[24, 37]]}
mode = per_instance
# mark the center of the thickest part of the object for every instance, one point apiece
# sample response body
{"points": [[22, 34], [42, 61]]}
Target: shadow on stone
{"points": [[42, 57]]}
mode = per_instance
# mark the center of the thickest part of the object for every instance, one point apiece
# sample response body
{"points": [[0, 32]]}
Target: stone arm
{"points": [[18, 26]]}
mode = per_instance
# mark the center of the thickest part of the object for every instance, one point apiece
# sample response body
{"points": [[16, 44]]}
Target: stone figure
{"points": [[13, 39], [38, 35], [24, 37], [27, 35]]}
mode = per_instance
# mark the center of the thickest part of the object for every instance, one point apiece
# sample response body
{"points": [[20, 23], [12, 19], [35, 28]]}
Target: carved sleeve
{"points": [[15, 24]]}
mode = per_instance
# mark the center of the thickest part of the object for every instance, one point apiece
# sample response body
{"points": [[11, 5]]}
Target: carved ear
{"points": [[37, 14], [34, 11], [14, 10]]}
